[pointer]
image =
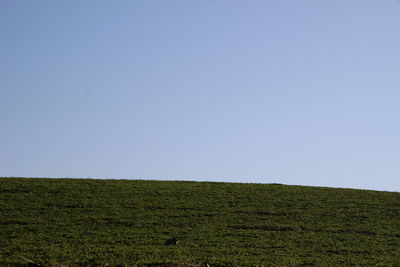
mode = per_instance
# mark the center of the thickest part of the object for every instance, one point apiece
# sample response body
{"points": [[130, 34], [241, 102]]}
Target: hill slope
{"points": [[81, 222]]}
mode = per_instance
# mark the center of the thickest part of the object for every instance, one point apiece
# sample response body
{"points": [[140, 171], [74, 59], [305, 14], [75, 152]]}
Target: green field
{"points": [[126, 222]]}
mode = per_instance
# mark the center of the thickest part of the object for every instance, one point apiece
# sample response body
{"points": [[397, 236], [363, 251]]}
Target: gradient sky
{"points": [[294, 92]]}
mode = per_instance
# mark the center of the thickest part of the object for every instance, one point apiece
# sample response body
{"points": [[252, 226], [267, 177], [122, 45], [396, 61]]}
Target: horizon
{"points": [[297, 93], [196, 181]]}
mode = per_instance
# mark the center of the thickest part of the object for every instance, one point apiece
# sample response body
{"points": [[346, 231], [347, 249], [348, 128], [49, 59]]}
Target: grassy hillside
{"points": [[93, 222]]}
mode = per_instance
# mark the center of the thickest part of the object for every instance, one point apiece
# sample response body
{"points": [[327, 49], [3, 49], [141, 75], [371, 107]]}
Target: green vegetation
{"points": [[126, 222]]}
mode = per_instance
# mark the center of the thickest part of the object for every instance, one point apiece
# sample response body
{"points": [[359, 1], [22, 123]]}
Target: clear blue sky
{"points": [[294, 92]]}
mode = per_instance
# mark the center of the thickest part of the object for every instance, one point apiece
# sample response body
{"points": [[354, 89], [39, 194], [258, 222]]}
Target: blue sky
{"points": [[294, 92]]}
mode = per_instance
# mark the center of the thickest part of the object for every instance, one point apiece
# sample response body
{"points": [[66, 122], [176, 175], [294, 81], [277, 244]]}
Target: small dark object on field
{"points": [[171, 242]]}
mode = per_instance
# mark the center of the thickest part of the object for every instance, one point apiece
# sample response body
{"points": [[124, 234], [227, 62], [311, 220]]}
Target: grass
{"points": [[126, 222]]}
